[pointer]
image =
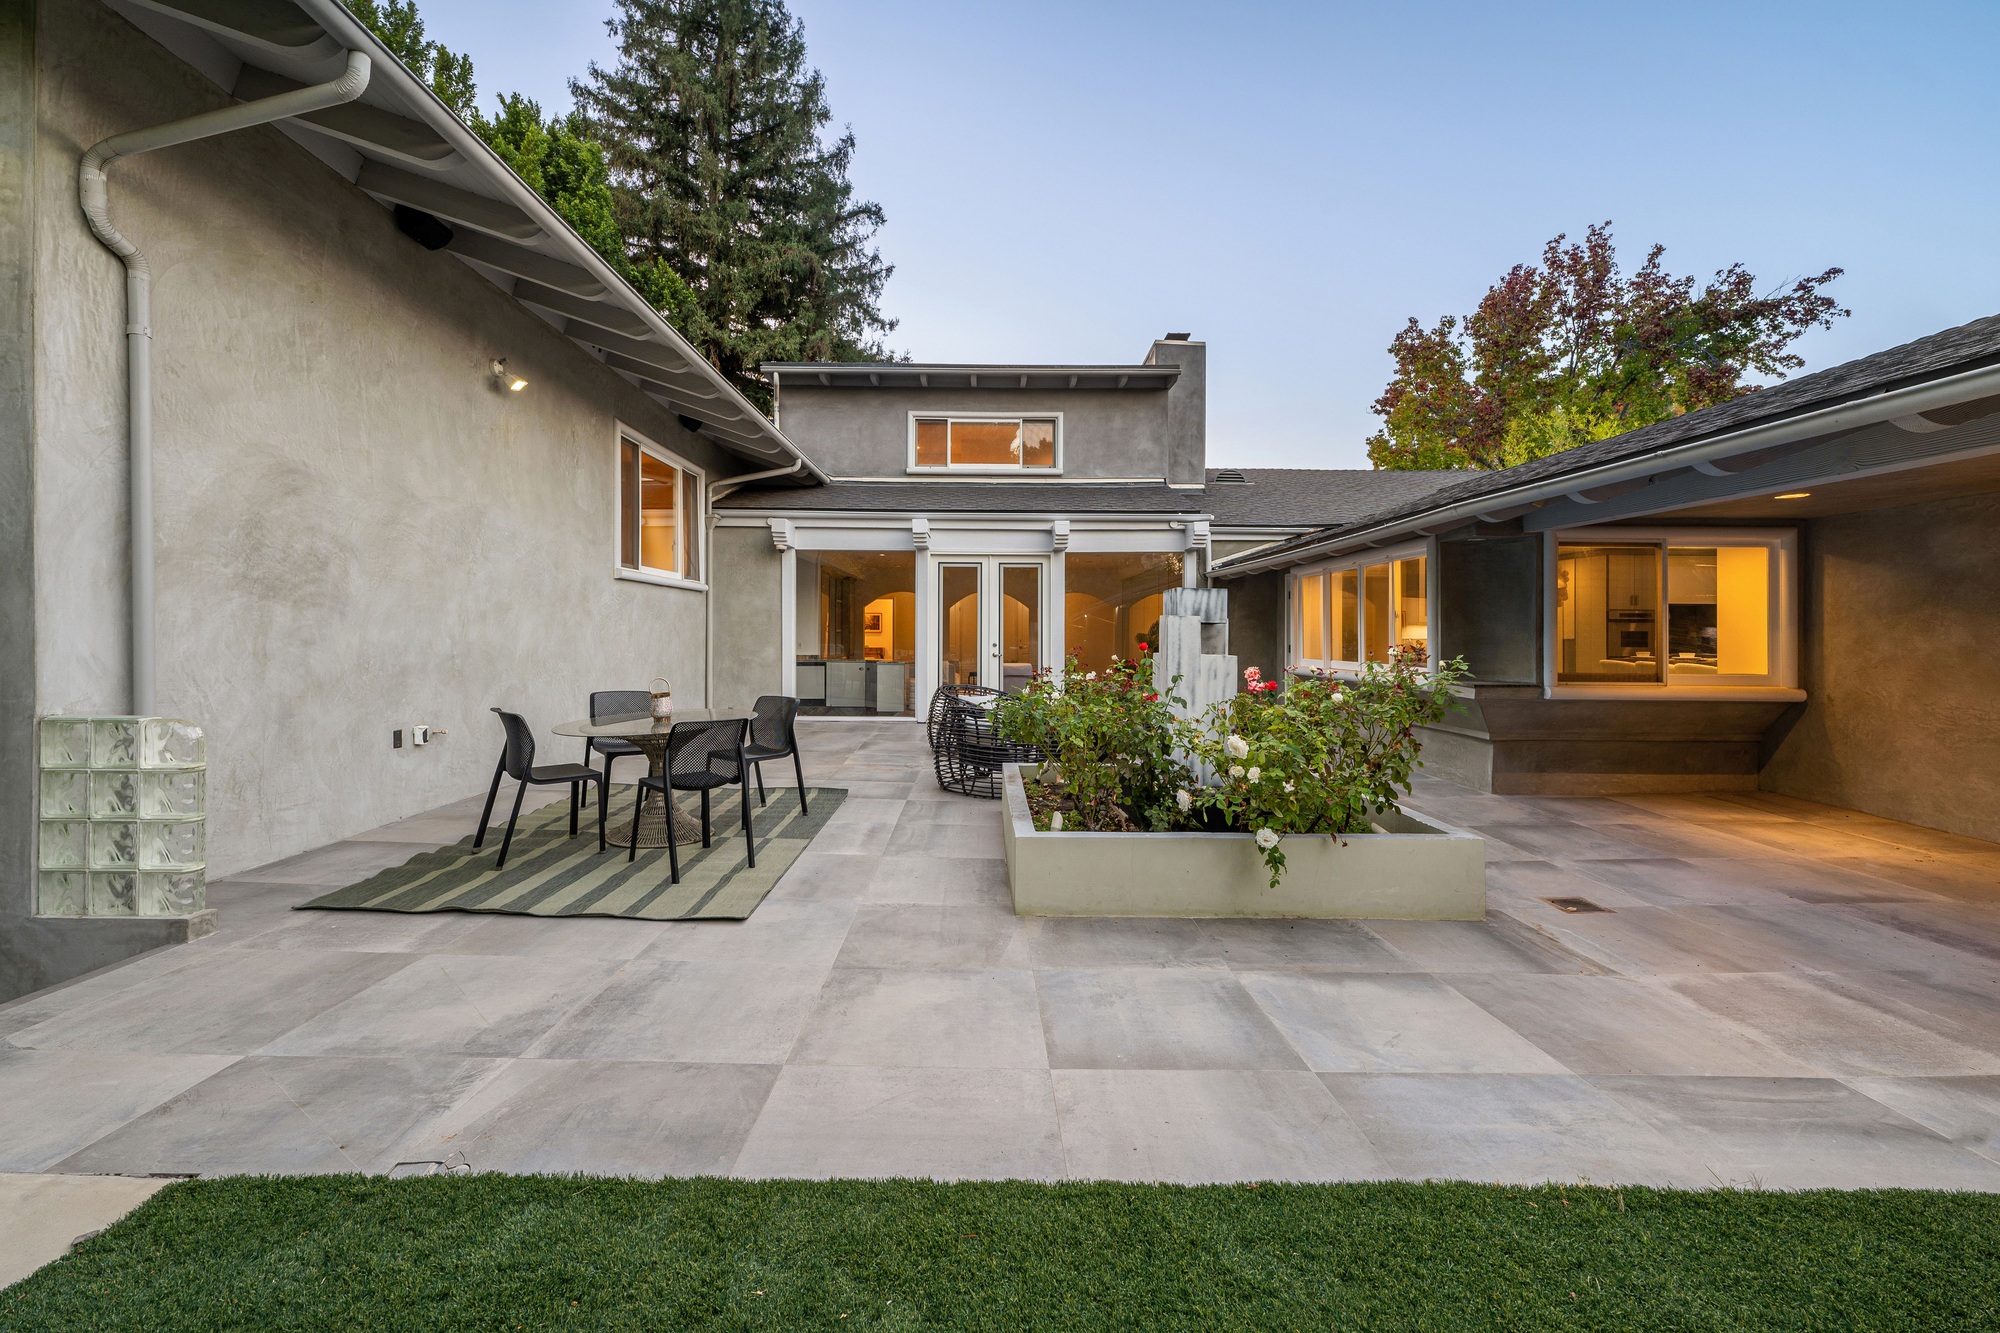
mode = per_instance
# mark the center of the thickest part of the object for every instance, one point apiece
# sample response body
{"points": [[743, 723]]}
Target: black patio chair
{"points": [[615, 703], [971, 751], [517, 761], [934, 720], [774, 733], [701, 756]]}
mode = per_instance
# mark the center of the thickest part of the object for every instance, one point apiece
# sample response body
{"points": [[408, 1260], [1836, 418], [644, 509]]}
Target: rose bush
{"points": [[1109, 737], [1322, 756]]}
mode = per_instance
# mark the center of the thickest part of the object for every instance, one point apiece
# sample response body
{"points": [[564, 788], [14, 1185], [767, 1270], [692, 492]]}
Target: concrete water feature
{"points": [[1779, 994]]}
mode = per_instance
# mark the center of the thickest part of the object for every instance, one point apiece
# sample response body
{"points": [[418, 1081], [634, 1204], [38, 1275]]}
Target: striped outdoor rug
{"points": [[550, 874]]}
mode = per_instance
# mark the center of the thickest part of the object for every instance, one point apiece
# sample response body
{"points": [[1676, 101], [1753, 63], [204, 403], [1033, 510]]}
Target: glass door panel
{"points": [[1021, 625], [959, 624]]}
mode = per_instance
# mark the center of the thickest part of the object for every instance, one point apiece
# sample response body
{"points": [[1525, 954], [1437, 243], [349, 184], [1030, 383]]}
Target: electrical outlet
{"points": [[396, 739]]}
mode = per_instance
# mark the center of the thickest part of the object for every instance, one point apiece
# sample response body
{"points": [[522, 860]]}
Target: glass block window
{"points": [[123, 817]]}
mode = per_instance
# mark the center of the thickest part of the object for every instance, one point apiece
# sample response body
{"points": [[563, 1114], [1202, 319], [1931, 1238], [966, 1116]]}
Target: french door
{"points": [[991, 620]]}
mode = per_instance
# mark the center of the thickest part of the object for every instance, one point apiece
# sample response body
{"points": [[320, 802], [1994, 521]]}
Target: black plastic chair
{"points": [[615, 703], [774, 733], [517, 761], [701, 756]]}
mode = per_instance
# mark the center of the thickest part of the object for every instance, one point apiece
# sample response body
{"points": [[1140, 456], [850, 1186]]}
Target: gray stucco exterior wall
{"points": [[1187, 409], [1489, 613], [858, 432], [358, 530], [747, 573], [1901, 622]]}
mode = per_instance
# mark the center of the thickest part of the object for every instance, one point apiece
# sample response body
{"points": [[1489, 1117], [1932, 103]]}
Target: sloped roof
{"points": [[401, 145], [1951, 351], [1283, 497]]}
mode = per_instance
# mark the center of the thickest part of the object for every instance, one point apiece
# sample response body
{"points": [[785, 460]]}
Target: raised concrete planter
{"points": [[1415, 869]]}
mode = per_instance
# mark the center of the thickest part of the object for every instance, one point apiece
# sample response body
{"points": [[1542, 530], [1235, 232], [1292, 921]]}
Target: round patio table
{"points": [[651, 734]]}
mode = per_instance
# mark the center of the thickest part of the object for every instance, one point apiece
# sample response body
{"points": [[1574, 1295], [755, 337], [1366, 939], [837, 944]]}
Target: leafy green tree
{"points": [[712, 122], [401, 29], [1573, 351]]}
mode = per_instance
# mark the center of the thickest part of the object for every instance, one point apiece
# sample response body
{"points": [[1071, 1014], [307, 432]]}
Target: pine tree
{"points": [[711, 120]]}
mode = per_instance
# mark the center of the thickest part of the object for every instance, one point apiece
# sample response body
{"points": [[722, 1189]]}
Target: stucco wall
{"points": [[747, 570], [865, 432], [357, 530], [1901, 627]]}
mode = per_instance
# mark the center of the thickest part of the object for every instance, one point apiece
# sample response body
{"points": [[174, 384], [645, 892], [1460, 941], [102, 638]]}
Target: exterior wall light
{"points": [[506, 378], [1792, 495]]}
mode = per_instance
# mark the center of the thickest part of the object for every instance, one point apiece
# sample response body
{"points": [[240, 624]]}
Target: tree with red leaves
{"points": [[1574, 351]]}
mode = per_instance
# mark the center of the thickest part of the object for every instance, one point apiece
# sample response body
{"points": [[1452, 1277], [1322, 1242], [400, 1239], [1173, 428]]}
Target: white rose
{"points": [[1288, 788], [1237, 747], [1266, 838], [1055, 822], [1090, 675], [1334, 697], [1254, 773], [1183, 800], [1236, 770]]}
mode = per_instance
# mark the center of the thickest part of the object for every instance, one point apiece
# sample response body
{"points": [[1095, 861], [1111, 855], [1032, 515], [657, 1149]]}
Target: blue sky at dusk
{"points": [[1064, 182]]}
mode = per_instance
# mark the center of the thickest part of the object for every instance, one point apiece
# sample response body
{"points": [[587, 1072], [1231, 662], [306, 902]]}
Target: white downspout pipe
{"points": [[92, 191], [716, 490]]}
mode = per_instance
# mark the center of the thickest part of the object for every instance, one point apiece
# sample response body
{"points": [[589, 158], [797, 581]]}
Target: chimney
{"points": [[1187, 407]]}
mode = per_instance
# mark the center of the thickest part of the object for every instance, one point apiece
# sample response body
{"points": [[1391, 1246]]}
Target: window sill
{"points": [[1681, 693], [658, 580]]}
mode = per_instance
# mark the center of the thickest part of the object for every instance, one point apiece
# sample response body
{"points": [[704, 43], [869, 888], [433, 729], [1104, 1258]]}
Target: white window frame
{"points": [[1781, 682], [974, 469], [1356, 561], [693, 527]]}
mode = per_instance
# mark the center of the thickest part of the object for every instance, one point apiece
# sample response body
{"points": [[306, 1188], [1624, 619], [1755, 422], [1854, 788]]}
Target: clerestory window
{"points": [[985, 444]]}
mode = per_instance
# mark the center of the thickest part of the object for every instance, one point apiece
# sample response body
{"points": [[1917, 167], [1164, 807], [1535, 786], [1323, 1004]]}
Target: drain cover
{"points": [[1574, 905]]}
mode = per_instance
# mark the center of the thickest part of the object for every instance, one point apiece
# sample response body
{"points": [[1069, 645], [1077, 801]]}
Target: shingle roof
{"points": [[1284, 497], [971, 497], [1967, 347]]}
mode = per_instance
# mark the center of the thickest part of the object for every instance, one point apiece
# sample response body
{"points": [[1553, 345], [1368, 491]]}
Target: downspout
{"points": [[716, 492], [92, 191]]}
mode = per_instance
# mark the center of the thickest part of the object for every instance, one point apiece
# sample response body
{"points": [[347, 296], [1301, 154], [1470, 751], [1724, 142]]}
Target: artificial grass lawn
{"points": [[513, 1252]]}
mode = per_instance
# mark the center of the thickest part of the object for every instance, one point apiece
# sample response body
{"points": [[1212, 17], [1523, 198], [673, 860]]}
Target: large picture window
{"points": [[985, 444], [659, 512], [1346, 616], [1667, 609], [1112, 603], [856, 629]]}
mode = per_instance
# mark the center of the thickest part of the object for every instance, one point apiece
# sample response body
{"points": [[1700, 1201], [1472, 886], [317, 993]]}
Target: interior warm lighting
{"points": [[1792, 495], [507, 379]]}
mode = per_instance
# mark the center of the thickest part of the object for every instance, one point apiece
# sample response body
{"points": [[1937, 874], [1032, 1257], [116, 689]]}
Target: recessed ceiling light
{"points": [[1792, 495]]}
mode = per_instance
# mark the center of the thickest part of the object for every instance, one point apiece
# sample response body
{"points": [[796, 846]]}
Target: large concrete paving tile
{"points": [[823, 1122], [1659, 941], [1511, 1128], [919, 836], [940, 881], [1326, 946], [1738, 881], [796, 934], [1964, 927], [879, 1018], [364, 932], [1965, 1111], [944, 808], [1500, 943], [1569, 842], [278, 1115], [603, 1117], [453, 1004], [576, 937], [867, 810], [904, 935], [1157, 1018], [1835, 938], [854, 839], [1391, 1024], [1624, 1025], [1798, 1133], [1086, 942], [229, 1002], [58, 1101], [40, 1006], [1522, 888], [1837, 1033], [338, 864], [1207, 1126], [245, 909], [42, 1215], [690, 1013]]}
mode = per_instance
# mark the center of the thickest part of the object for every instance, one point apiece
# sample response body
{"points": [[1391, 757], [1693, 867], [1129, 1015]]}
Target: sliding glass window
{"points": [[1656, 612]]}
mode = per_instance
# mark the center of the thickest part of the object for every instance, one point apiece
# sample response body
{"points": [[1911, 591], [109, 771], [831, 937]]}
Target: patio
{"points": [[1780, 995]]}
